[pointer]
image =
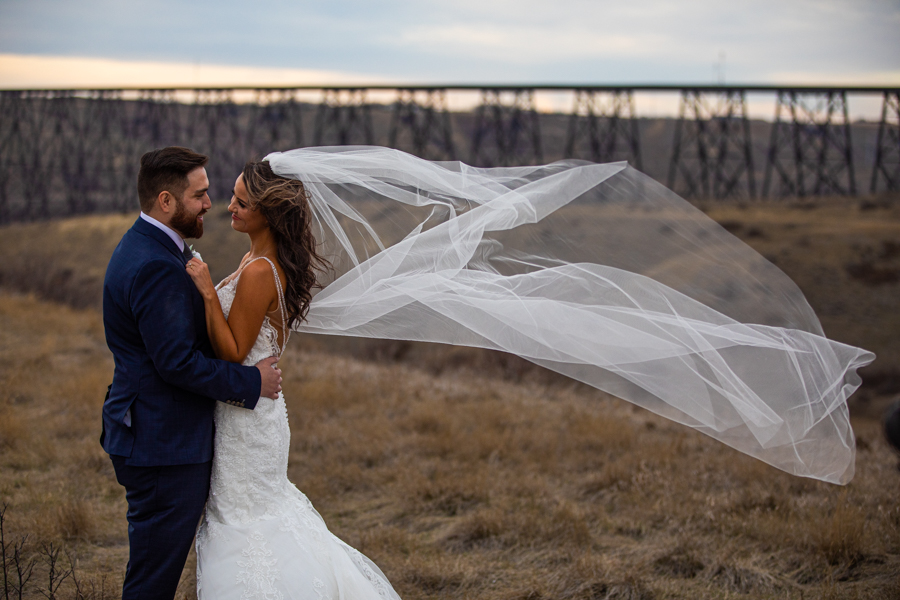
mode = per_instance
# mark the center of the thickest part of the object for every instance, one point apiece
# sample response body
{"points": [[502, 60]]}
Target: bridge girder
{"points": [[72, 151]]}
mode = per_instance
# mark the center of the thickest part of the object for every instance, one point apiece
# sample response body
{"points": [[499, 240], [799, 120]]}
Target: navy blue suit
{"points": [[158, 418]]}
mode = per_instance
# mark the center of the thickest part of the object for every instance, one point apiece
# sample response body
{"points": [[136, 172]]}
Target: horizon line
{"points": [[750, 87]]}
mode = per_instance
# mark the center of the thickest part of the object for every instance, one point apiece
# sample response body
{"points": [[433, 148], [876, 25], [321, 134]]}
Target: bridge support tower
{"points": [[603, 127], [712, 153], [420, 121], [887, 149], [344, 117], [811, 153], [506, 130]]}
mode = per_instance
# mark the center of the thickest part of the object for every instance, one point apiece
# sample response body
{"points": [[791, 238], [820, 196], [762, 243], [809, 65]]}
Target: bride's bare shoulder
{"points": [[256, 286], [257, 272]]}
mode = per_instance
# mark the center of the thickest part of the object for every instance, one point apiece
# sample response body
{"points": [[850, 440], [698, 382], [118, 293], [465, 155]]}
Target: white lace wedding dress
{"points": [[260, 537]]}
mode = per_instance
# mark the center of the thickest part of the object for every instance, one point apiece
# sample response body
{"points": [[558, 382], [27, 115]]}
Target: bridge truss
{"points": [[65, 152]]}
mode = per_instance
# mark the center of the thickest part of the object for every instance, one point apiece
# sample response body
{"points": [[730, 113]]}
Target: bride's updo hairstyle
{"points": [[285, 205]]}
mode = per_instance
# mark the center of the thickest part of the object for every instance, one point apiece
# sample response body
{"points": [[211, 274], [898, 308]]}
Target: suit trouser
{"points": [[164, 508]]}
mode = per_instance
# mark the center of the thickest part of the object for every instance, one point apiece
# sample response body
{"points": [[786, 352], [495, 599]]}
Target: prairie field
{"points": [[469, 474]]}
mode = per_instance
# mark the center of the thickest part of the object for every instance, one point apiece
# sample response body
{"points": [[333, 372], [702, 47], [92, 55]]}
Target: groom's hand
{"points": [[270, 376]]}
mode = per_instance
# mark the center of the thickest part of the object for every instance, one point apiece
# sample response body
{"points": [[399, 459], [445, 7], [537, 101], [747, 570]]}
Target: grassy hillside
{"points": [[479, 476], [843, 253], [463, 486]]}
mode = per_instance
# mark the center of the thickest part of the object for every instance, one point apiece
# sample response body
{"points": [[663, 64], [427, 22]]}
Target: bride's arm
{"points": [[233, 338]]}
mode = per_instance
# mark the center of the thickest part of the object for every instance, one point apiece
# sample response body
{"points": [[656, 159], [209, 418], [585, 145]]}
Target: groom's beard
{"points": [[185, 223]]}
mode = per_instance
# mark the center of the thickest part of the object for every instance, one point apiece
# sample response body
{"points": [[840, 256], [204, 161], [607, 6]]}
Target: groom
{"points": [[158, 416]]}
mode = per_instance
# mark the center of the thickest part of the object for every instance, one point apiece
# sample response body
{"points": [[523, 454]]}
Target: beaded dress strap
{"points": [[285, 334]]}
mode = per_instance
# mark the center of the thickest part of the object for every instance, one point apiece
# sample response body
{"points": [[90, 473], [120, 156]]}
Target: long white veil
{"points": [[594, 271]]}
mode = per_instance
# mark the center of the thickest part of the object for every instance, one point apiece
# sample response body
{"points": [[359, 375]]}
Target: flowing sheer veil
{"points": [[594, 271]]}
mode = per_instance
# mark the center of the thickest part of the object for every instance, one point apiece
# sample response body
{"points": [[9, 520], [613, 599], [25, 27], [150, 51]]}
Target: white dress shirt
{"points": [[179, 241]]}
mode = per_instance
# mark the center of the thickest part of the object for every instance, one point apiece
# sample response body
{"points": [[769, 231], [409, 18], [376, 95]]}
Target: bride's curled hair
{"points": [[285, 205]]}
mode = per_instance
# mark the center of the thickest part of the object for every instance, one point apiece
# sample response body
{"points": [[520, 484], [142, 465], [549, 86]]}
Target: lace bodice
{"points": [[251, 452]]}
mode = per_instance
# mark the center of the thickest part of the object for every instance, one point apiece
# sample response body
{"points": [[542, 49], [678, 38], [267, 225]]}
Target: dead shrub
{"points": [[101, 587]]}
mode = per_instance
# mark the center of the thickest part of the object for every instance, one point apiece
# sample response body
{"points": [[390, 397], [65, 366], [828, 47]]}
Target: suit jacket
{"points": [[167, 380]]}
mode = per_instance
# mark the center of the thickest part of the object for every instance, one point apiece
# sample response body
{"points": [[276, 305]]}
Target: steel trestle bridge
{"points": [[67, 152]]}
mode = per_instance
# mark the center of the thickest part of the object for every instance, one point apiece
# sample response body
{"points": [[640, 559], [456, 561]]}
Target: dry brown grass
{"points": [[478, 476], [461, 486], [469, 487], [845, 256], [56, 479]]}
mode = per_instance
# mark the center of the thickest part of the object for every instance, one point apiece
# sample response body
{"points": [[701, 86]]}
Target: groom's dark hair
{"points": [[166, 169]]}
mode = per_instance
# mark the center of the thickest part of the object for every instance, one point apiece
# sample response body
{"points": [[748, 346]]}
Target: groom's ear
{"points": [[165, 201]]}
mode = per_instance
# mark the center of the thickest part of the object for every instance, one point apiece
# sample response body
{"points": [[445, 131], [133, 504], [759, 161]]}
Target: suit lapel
{"points": [[144, 228]]}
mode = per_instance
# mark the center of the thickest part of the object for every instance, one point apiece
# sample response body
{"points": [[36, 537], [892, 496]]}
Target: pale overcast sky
{"points": [[116, 42]]}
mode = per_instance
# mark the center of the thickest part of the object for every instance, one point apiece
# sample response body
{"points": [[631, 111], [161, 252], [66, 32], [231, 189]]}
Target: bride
{"points": [[592, 270], [260, 537]]}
